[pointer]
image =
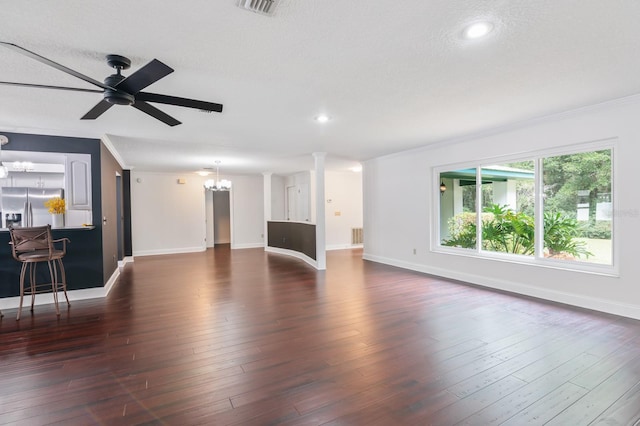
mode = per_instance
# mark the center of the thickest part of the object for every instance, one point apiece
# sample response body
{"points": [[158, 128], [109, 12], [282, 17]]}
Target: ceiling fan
{"points": [[120, 90]]}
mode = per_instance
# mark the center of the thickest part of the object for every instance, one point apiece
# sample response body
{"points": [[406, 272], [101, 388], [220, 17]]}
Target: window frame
{"points": [[537, 259]]}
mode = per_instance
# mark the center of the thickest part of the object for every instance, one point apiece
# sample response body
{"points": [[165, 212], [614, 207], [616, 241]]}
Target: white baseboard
{"points": [[111, 282], [292, 253], [246, 246], [169, 251], [616, 308], [126, 260], [47, 298], [343, 246]]}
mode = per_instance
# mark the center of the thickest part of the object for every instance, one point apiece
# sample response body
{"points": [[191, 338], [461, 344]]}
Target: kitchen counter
{"points": [[82, 263], [65, 228]]}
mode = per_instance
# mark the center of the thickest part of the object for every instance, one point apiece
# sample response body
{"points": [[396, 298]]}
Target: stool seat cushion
{"points": [[40, 255]]}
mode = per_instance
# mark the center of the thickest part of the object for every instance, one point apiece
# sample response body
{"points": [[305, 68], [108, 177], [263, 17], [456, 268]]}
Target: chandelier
{"points": [[217, 184]]}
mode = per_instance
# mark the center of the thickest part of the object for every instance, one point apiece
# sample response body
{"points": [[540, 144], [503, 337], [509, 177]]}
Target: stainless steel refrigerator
{"points": [[25, 206]]}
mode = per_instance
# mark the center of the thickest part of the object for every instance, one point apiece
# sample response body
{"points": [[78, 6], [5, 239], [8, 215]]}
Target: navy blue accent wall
{"points": [[126, 211], [83, 262]]}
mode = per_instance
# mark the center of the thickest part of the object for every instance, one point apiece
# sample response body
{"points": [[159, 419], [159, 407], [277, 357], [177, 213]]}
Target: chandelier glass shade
{"points": [[217, 184], [221, 185]]}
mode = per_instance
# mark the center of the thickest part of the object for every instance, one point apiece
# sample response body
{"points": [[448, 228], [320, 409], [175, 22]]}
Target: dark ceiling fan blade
{"points": [[53, 64], [183, 102], [43, 86], [155, 113], [150, 73], [97, 110]]}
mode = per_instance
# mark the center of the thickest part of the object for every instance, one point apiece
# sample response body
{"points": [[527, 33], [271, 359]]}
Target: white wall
{"points": [[343, 198], [278, 198], [247, 220], [311, 195], [344, 189], [301, 182], [399, 190], [167, 217]]}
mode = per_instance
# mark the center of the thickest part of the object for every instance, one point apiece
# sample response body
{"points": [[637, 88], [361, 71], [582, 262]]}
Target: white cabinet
{"points": [[78, 181]]}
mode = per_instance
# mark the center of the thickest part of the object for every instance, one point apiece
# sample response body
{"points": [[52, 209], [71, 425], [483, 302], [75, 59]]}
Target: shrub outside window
{"points": [[572, 223], [577, 207]]}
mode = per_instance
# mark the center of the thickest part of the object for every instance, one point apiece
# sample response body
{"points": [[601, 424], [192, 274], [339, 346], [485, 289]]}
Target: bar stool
{"points": [[34, 245]]}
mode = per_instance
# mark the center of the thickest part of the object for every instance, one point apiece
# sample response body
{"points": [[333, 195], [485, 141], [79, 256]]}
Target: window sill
{"points": [[564, 265]]}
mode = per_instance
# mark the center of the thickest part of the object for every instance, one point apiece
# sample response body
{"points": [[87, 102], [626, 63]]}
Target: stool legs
{"points": [[22, 272], [63, 275], [32, 283], [55, 284]]}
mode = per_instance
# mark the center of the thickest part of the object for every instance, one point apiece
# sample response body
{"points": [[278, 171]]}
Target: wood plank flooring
{"points": [[245, 337]]}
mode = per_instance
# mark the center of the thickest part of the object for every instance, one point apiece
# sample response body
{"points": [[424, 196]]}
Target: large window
{"points": [[508, 216], [577, 206], [555, 208]]}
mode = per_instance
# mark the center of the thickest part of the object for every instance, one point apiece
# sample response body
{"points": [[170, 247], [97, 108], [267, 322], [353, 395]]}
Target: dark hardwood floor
{"points": [[244, 337]]}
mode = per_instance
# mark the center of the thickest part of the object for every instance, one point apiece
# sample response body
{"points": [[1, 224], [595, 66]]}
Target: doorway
{"points": [[119, 217], [221, 218]]}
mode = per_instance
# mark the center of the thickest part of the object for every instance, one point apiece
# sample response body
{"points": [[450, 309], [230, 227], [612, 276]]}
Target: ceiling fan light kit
{"points": [[117, 97], [120, 90]]}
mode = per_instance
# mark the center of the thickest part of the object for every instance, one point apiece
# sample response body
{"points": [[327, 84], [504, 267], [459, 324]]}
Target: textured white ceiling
{"points": [[393, 74]]}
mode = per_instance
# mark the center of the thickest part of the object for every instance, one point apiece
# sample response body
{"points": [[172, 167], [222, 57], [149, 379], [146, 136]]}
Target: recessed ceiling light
{"points": [[202, 173], [477, 30], [322, 118]]}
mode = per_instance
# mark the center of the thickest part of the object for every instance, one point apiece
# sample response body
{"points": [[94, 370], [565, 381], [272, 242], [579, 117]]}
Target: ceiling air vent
{"points": [[264, 7]]}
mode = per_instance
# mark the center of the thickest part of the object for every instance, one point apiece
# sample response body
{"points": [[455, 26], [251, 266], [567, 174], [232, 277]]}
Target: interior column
{"points": [[266, 185], [321, 255]]}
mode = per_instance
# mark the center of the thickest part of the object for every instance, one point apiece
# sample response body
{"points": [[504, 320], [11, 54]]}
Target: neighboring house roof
{"points": [[490, 174]]}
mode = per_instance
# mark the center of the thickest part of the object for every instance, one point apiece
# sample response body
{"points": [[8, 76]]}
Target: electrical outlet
{"points": [[414, 251]]}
